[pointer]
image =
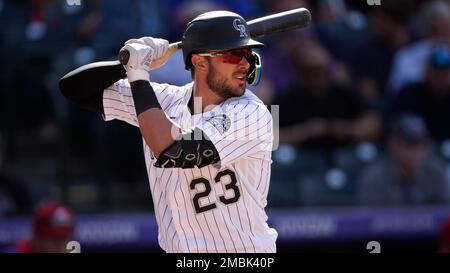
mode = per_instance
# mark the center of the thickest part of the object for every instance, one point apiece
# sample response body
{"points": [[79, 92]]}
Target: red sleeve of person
{"points": [[52, 228], [445, 237]]}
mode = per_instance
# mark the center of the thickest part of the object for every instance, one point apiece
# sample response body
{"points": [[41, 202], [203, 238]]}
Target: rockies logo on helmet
{"points": [[240, 27]]}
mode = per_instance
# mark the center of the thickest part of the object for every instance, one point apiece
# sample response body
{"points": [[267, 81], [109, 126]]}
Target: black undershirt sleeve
{"points": [[84, 86], [143, 96]]}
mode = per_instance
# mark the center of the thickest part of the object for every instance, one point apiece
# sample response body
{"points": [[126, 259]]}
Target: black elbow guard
{"points": [[188, 153]]}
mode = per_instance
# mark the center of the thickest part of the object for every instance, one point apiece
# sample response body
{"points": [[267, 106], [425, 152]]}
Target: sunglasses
{"points": [[233, 56]]}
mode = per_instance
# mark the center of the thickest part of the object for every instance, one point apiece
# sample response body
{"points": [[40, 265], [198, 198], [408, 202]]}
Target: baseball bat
{"points": [[270, 24]]}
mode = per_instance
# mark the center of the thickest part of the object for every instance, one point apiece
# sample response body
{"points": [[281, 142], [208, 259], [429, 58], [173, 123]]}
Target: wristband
{"points": [[138, 74], [144, 97]]}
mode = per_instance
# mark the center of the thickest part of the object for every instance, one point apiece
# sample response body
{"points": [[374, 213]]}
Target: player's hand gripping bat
{"points": [[278, 22]]}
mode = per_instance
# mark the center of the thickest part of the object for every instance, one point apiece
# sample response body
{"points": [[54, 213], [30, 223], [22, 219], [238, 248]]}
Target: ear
{"points": [[200, 63]]}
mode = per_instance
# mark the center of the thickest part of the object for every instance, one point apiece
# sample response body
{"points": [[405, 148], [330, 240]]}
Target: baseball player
{"points": [[207, 144]]}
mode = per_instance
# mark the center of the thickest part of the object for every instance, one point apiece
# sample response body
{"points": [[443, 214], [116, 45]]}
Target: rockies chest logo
{"points": [[221, 122], [239, 26]]}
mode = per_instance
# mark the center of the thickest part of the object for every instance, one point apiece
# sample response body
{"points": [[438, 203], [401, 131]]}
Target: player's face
{"points": [[227, 75]]}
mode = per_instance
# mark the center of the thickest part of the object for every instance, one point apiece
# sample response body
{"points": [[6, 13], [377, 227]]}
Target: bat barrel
{"points": [[279, 22]]}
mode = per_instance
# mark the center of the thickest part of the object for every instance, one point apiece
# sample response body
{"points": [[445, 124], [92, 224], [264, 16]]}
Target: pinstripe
{"points": [[234, 112], [127, 88], [170, 225], [168, 94], [212, 236], [266, 184], [261, 174], [223, 217], [157, 201], [228, 145], [214, 216], [179, 217], [246, 210], [238, 129], [195, 216], [242, 153], [117, 109], [239, 233], [206, 221], [165, 231], [187, 217], [240, 221], [123, 118], [234, 121], [119, 101], [179, 101]]}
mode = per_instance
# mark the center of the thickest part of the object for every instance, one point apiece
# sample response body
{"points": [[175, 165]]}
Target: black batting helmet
{"points": [[215, 30]]}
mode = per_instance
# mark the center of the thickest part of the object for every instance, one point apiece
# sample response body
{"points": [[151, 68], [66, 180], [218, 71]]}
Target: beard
{"points": [[219, 85]]}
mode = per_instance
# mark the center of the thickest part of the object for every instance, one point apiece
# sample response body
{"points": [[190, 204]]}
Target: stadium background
{"points": [[51, 150]]}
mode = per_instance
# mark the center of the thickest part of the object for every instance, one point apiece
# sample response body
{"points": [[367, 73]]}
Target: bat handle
{"points": [[124, 55]]}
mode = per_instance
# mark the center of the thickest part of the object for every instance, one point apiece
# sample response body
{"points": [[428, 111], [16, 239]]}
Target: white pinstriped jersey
{"points": [[220, 207]]}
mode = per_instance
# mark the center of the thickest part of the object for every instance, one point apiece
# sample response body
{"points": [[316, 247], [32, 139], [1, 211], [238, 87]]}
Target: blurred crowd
{"points": [[363, 95], [52, 228]]}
